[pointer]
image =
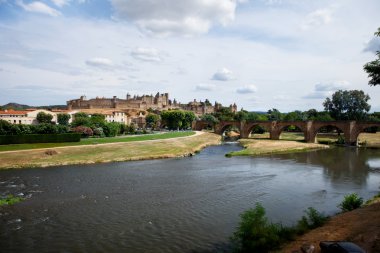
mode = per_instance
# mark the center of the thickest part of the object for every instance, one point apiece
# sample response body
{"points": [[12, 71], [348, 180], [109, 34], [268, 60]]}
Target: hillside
{"points": [[16, 106]]}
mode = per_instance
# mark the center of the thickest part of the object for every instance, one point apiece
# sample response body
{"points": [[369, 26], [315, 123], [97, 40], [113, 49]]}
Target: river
{"points": [[187, 204]]}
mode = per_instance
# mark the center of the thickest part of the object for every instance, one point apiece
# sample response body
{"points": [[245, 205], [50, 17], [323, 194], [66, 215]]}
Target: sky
{"points": [[261, 54]]}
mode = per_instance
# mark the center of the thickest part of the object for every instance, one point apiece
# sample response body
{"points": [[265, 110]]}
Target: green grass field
{"points": [[168, 147], [92, 141]]}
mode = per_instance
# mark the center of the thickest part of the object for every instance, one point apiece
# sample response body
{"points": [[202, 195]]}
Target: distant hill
{"points": [[16, 106]]}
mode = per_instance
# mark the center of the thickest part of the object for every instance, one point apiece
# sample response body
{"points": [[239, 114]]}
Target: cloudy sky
{"points": [[261, 54]]}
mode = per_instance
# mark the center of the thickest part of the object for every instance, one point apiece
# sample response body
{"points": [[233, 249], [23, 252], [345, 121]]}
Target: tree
{"points": [[373, 68], [241, 115], [81, 119], [177, 119], [348, 105], [188, 119], [97, 120], [274, 114], [152, 120], [209, 118], [44, 117], [294, 116], [63, 119]]}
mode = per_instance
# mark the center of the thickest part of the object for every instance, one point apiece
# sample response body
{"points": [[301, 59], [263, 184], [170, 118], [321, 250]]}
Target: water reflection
{"points": [[341, 165]]}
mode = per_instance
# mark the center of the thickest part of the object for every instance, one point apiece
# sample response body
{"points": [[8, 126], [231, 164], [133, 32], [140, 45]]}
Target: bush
{"points": [[84, 131], [98, 132], [340, 140], [313, 219], [350, 202], [111, 129], [256, 234], [39, 138], [10, 200]]}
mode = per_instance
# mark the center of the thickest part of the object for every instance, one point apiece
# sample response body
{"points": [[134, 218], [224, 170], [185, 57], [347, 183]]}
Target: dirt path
{"points": [[361, 226]]}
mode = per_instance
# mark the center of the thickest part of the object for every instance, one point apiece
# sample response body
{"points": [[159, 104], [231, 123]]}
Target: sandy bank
{"points": [[254, 147]]}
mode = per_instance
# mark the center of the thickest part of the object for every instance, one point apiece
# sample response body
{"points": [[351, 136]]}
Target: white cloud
{"points": [[223, 74], [173, 17], [373, 45], [205, 87], [247, 89], [318, 18], [38, 7], [146, 54], [103, 63], [323, 90], [60, 3]]}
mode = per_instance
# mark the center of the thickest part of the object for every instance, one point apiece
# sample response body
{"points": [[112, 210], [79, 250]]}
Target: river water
{"points": [[174, 205]]}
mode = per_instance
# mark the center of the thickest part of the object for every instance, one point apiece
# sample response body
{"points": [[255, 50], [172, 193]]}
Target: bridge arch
{"points": [[222, 126], [361, 128], [340, 126], [280, 127], [249, 126]]}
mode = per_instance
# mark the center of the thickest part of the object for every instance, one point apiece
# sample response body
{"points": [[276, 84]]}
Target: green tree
{"points": [[224, 114], [373, 68], [97, 120], [63, 119], [152, 120], [188, 119], [81, 119], [274, 114], [111, 129], [173, 119], [43, 117], [241, 115], [348, 105], [5, 127], [294, 116], [209, 118]]}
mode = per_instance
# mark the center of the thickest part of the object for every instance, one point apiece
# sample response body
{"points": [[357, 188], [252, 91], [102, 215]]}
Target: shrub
{"points": [[340, 140], [98, 132], [350, 202], [256, 234], [39, 138], [85, 131], [313, 219], [10, 200], [111, 129]]}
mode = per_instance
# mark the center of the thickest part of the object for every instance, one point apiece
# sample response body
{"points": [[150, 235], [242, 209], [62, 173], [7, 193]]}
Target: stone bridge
{"points": [[350, 129]]}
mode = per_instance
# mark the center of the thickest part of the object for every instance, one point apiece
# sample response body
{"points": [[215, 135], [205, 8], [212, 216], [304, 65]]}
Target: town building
{"points": [[27, 117]]}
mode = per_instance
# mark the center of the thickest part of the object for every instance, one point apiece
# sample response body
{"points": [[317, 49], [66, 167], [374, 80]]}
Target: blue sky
{"points": [[262, 54]]}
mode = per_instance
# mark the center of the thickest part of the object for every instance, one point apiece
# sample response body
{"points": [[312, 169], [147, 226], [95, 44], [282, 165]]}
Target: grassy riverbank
{"points": [[121, 151], [93, 141], [253, 147]]}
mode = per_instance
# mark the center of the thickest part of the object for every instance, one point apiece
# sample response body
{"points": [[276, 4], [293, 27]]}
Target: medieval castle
{"points": [[158, 102]]}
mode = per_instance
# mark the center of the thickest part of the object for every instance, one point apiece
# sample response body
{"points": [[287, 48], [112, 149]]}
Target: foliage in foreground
{"points": [[350, 202], [256, 234], [10, 200], [373, 68]]}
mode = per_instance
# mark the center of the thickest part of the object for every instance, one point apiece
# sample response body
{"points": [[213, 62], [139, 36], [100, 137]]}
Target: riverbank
{"points": [[113, 152], [254, 147], [360, 226]]}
